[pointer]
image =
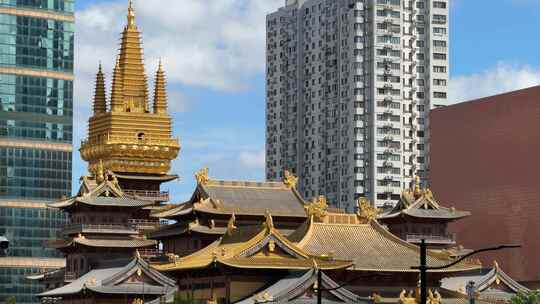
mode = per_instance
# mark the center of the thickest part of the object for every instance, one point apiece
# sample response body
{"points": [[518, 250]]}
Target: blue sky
{"points": [[216, 80]]}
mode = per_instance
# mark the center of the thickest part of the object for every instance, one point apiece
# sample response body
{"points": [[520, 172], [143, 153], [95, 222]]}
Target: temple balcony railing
{"points": [[161, 196], [145, 225], [70, 276], [150, 253], [99, 228], [444, 239]]}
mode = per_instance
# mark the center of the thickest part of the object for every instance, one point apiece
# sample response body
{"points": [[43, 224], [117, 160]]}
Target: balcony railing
{"points": [[146, 224], [98, 228], [150, 195], [70, 276], [149, 253], [432, 238]]}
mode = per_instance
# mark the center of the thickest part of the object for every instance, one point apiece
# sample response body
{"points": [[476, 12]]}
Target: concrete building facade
{"points": [[349, 87], [36, 110]]}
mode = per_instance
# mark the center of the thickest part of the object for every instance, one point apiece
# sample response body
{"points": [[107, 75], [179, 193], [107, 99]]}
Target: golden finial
{"points": [[230, 225], [406, 299], [289, 180], [317, 208], [160, 91], [202, 176], [366, 211], [131, 14], [268, 219], [100, 103], [496, 264], [434, 297], [137, 254]]}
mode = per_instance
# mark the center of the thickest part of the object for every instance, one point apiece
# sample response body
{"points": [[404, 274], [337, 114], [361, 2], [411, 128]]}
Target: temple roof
{"points": [[132, 242], [369, 245], [298, 287], [421, 204], [119, 280], [104, 194], [493, 284], [241, 198], [252, 247]]}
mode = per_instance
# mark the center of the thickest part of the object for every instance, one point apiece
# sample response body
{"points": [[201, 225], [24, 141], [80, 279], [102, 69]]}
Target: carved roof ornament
{"points": [[268, 219], [100, 172], [496, 264], [417, 188], [434, 297], [366, 211], [376, 298], [317, 208], [406, 299], [202, 176], [137, 301], [230, 225], [289, 179]]}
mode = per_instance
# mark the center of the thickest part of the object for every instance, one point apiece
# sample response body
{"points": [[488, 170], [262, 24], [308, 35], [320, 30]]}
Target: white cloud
{"points": [[210, 44], [252, 159], [499, 79]]}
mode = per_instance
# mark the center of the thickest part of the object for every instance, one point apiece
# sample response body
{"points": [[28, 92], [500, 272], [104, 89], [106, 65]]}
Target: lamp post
{"points": [[424, 267]]}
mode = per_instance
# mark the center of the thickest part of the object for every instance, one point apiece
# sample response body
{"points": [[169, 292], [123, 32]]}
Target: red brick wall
{"points": [[485, 158]]}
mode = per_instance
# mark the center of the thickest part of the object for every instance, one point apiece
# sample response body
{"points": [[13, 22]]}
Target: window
{"points": [[439, 19], [439, 69], [439, 56], [439, 94], [439, 4], [439, 43], [439, 82], [439, 30]]}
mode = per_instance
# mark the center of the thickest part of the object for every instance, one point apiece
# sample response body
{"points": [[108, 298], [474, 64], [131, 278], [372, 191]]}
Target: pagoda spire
{"points": [[100, 105], [135, 83], [117, 95], [160, 93]]}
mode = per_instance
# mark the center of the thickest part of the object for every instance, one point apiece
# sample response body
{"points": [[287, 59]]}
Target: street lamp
{"points": [[424, 268]]}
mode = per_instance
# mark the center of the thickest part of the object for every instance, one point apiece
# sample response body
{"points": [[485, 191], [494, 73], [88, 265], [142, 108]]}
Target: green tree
{"points": [[532, 297], [11, 300]]}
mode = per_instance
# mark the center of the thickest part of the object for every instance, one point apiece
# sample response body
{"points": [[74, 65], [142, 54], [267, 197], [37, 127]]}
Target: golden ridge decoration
{"points": [[137, 301], [202, 176], [366, 211], [230, 225], [434, 297], [268, 219], [376, 298], [100, 174], [417, 189], [406, 299], [271, 245], [317, 208], [289, 180]]}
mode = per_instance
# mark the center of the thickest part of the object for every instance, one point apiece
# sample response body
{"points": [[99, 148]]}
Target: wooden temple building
{"points": [[419, 216], [204, 218], [232, 241]]}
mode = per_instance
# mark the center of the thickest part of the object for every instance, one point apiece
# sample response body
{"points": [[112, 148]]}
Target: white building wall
{"points": [[349, 88]]}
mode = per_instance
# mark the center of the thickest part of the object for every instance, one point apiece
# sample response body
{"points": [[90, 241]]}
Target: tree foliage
{"points": [[532, 297], [11, 300]]}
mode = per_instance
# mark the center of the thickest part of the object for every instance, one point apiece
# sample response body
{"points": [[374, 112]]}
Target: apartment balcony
{"points": [[433, 239], [160, 196]]}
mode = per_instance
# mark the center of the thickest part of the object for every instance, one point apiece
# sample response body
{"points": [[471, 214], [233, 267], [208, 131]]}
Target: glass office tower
{"points": [[36, 109]]}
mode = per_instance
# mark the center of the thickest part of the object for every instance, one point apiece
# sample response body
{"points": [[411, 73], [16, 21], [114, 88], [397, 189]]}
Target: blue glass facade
{"points": [[36, 127]]}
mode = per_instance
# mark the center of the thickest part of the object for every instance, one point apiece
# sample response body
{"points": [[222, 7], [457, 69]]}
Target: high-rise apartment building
{"points": [[36, 109], [349, 87]]}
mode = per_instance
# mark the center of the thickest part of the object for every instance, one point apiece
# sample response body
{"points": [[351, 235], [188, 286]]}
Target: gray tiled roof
{"points": [[422, 207], [290, 288], [114, 281], [254, 198]]}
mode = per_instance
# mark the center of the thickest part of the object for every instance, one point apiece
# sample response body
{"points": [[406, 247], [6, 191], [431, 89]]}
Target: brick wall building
{"points": [[485, 158]]}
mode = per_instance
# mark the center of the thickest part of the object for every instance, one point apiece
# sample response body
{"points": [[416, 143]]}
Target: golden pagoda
{"points": [[126, 135]]}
